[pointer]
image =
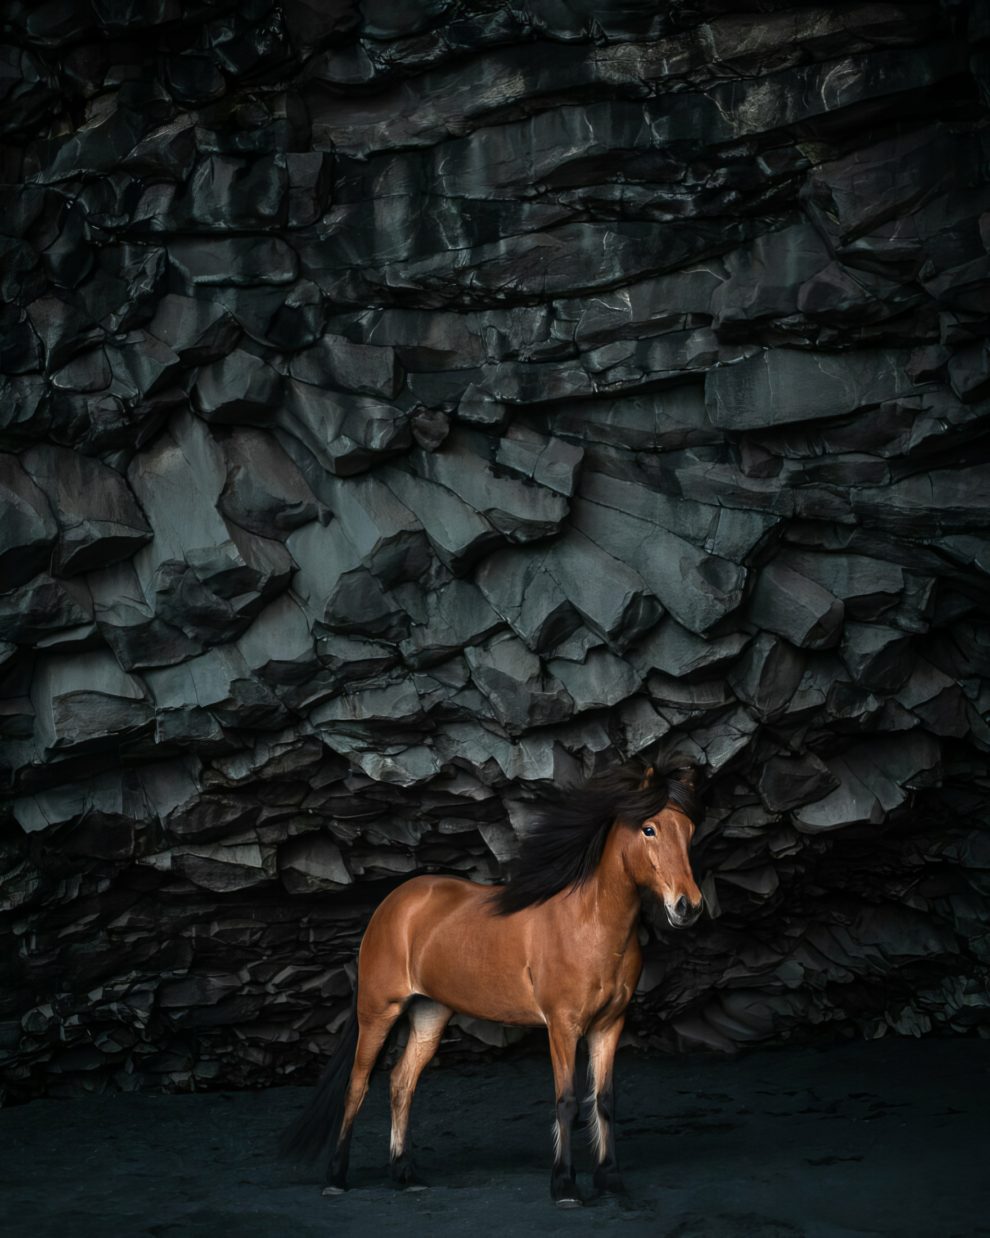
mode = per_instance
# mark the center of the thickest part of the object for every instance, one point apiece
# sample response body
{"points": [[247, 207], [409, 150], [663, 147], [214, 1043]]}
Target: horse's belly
{"points": [[481, 996]]}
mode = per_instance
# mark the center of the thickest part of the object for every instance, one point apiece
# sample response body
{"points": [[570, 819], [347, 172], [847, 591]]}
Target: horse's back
{"points": [[419, 906], [410, 913]]}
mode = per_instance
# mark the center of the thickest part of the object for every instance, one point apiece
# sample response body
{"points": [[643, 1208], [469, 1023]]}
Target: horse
{"points": [[555, 946]]}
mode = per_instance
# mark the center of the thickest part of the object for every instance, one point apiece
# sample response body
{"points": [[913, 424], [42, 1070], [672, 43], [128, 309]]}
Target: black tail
{"points": [[319, 1123]]}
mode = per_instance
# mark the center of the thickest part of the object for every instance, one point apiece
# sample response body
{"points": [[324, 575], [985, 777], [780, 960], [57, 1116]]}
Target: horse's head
{"points": [[657, 855]]}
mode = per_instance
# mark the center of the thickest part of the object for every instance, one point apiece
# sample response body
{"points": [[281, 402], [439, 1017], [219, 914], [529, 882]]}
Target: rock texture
{"points": [[408, 407]]}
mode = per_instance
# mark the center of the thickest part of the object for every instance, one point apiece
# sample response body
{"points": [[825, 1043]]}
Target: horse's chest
{"points": [[588, 981]]}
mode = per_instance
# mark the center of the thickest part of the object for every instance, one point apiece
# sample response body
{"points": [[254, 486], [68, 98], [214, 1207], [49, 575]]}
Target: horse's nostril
{"points": [[681, 906]]}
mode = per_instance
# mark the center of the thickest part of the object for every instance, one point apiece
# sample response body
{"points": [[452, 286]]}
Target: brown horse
{"points": [[556, 946]]}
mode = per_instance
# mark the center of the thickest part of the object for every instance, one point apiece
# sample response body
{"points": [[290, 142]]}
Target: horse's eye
{"points": [[649, 831]]}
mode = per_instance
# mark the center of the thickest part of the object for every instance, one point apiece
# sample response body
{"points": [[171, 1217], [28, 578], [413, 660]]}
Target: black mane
{"points": [[564, 845]]}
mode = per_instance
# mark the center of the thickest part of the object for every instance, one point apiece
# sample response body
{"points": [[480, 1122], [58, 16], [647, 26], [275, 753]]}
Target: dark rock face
{"points": [[408, 407]]}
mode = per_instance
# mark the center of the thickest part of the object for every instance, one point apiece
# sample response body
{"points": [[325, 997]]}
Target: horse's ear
{"points": [[683, 769], [649, 777], [688, 775]]}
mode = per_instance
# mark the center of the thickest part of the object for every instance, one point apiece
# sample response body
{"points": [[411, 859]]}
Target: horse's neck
{"points": [[609, 902]]}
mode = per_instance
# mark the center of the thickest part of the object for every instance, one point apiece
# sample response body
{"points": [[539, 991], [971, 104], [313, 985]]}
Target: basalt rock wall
{"points": [[407, 407]]}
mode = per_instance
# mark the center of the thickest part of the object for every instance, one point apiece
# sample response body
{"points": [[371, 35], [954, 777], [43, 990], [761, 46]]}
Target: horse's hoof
{"points": [[570, 1201], [405, 1178], [333, 1190]]}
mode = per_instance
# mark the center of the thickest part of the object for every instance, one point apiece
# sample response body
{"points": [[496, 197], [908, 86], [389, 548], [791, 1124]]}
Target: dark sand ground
{"points": [[888, 1137]]}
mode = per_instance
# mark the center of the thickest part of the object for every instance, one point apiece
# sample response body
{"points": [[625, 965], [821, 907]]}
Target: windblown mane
{"points": [[564, 844]]}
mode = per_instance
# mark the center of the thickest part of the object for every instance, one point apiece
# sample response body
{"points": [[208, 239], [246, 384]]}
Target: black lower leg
{"points": [[607, 1177], [562, 1183], [337, 1169], [403, 1170]]}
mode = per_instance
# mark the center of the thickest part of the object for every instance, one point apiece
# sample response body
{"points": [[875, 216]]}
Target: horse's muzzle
{"points": [[683, 914]]}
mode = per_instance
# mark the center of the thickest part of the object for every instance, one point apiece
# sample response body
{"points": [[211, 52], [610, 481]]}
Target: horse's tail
{"points": [[319, 1123]]}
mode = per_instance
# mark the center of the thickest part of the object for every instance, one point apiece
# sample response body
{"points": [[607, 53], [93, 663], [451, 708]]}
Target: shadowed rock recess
{"points": [[407, 407]]}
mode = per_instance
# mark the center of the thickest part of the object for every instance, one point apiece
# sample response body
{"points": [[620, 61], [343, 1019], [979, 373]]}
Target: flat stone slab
{"points": [[782, 385]]}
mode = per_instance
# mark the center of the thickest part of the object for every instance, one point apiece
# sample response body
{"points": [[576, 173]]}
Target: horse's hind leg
{"points": [[426, 1023], [374, 1024], [602, 1043]]}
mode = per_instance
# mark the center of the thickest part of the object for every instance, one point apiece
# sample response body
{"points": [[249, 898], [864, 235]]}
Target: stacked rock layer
{"points": [[410, 407]]}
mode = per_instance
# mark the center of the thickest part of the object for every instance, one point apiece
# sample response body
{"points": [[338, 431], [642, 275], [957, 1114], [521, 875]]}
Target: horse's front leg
{"points": [[563, 1052], [602, 1044]]}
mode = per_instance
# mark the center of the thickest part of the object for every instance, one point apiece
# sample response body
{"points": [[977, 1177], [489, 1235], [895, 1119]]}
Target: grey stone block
{"points": [[229, 571], [98, 518], [519, 511], [337, 362], [238, 388], [312, 864], [127, 621], [867, 588], [219, 683], [545, 593], [196, 329], [676, 651], [788, 782], [523, 591], [28, 529], [458, 614], [337, 591], [765, 275], [263, 490], [669, 419], [782, 385], [514, 683], [599, 682], [278, 646], [240, 262], [698, 589], [457, 533], [85, 701], [876, 656], [45, 609], [792, 605], [550, 462], [767, 675], [385, 534], [345, 433]]}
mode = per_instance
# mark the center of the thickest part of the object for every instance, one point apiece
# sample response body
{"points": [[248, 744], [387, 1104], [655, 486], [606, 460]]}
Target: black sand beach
{"points": [[878, 1138]]}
